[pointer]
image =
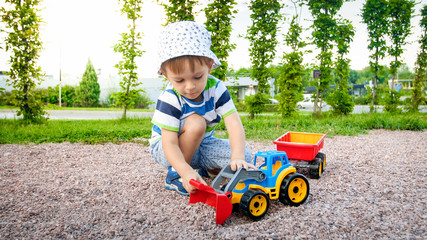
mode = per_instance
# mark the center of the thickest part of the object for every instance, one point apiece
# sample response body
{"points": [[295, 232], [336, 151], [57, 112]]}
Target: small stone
{"points": [[139, 218]]}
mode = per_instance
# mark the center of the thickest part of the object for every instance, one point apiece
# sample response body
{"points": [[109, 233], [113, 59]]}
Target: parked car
{"points": [[309, 103], [274, 101]]}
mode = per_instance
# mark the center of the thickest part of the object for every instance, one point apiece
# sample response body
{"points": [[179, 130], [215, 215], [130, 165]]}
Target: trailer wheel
{"points": [[294, 189], [254, 204], [322, 156], [315, 168]]}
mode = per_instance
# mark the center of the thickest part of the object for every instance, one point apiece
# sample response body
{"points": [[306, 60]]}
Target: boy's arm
{"points": [[237, 141], [175, 157]]}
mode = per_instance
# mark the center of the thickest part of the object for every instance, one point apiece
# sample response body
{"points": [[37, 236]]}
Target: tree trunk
{"points": [[394, 75], [124, 111], [132, 63], [316, 109]]}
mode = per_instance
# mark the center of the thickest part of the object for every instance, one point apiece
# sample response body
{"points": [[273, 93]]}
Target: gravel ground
{"points": [[374, 187]]}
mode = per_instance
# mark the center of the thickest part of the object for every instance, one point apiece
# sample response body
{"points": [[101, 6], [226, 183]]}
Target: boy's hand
{"points": [[240, 163], [186, 181]]}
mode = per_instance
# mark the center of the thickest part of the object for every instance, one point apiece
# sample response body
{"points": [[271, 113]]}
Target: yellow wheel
{"points": [[294, 189], [321, 166], [258, 205], [254, 204], [324, 162]]}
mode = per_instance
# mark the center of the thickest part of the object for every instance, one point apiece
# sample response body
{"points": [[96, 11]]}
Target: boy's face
{"points": [[190, 83]]}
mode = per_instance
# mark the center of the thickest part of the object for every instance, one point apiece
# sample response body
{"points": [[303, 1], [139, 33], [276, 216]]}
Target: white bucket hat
{"points": [[185, 38]]}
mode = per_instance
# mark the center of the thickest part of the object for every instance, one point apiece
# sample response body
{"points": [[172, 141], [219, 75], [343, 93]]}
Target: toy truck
{"points": [[303, 151], [250, 190]]}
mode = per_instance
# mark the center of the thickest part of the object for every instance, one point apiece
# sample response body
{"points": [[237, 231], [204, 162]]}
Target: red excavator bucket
{"points": [[220, 201]]}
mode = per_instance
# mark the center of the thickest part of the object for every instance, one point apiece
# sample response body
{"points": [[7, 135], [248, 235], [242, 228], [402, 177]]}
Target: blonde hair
{"points": [[176, 64]]}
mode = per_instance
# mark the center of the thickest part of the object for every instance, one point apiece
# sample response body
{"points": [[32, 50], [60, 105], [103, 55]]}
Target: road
{"points": [[82, 114]]}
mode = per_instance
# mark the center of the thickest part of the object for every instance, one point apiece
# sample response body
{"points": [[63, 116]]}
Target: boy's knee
{"points": [[194, 124]]}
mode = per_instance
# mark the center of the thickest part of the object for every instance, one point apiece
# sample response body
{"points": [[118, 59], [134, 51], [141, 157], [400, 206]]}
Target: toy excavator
{"points": [[251, 190]]}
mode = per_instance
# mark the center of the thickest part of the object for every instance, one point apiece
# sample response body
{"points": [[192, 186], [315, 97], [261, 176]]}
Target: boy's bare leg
{"points": [[191, 135]]}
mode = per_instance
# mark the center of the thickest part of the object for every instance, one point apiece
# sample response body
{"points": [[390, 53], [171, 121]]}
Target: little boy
{"points": [[192, 103]]}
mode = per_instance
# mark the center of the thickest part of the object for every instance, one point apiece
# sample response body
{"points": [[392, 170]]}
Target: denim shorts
{"points": [[213, 153]]}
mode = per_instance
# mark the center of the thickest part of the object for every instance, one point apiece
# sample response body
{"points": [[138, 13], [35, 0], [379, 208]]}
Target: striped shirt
{"points": [[172, 108]]}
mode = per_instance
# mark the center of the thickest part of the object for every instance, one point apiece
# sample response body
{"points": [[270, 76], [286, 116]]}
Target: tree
{"points": [[417, 97], [128, 47], [340, 99], [262, 36], [23, 40], [353, 77], [405, 72], [88, 90], [179, 10], [218, 22], [239, 72], [400, 27], [375, 16], [324, 27], [290, 79]]}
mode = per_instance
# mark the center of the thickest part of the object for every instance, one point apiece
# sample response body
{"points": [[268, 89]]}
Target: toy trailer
{"points": [[303, 151]]}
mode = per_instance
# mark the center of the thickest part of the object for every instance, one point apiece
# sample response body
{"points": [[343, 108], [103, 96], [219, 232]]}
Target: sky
{"points": [[77, 30]]}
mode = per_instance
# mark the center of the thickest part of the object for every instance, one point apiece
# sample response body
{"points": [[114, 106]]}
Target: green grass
{"points": [[85, 131], [260, 128]]}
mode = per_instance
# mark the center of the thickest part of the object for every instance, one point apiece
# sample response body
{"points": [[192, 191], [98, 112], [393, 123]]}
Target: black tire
{"points": [[294, 189], [254, 204], [322, 156], [236, 207], [315, 168]]}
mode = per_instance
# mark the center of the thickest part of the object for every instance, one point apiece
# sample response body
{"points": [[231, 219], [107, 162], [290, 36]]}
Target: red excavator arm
{"points": [[220, 201]]}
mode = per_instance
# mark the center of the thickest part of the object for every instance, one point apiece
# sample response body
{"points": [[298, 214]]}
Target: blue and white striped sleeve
{"points": [[168, 111]]}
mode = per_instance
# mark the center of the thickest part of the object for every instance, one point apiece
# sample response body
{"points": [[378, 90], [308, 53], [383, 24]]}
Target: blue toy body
{"points": [[275, 162]]}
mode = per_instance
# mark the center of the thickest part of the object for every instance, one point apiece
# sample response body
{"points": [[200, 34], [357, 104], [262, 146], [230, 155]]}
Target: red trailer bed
{"points": [[300, 146]]}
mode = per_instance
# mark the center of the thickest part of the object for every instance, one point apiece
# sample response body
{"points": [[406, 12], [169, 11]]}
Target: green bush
{"points": [[109, 100], [269, 107], [255, 104], [68, 95], [361, 100], [48, 95], [391, 101], [5, 98], [142, 101], [241, 107]]}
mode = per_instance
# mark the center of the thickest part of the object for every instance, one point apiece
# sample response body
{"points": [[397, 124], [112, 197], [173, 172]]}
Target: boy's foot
{"points": [[174, 182], [205, 173]]}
